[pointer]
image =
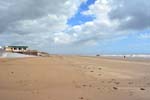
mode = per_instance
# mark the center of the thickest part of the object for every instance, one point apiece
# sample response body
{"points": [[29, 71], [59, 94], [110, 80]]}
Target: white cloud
{"points": [[62, 38], [144, 36], [39, 23], [100, 28], [35, 22], [113, 19]]}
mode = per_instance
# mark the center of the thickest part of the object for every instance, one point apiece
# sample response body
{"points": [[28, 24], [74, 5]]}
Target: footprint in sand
{"points": [[81, 97], [90, 85], [100, 68], [91, 71], [98, 88], [142, 89], [115, 88], [148, 83], [117, 83], [84, 85], [12, 72]]}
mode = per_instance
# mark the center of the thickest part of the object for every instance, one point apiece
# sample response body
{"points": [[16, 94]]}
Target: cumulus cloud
{"points": [[39, 23], [34, 21], [100, 28], [24, 12], [113, 18], [132, 15]]}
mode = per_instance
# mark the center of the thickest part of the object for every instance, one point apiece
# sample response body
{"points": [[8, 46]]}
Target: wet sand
{"points": [[74, 78]]}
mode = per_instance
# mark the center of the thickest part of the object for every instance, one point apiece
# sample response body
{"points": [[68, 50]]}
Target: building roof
{"points": [[17, 46]]}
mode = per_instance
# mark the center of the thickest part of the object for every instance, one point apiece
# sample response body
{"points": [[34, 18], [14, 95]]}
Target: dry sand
{"points": [[74, 78]]}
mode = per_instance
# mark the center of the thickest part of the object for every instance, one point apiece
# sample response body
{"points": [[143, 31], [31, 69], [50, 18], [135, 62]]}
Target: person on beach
{"points": [[124, 57]]}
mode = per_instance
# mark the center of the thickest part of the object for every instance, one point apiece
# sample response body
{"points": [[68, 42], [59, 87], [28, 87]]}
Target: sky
{"points": [[77, 26]]}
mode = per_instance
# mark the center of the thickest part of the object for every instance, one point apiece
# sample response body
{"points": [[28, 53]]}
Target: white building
{"points": [[16, 48]]}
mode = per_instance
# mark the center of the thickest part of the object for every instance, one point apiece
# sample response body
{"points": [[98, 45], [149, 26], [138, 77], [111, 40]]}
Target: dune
{"points": [[74, 78]]}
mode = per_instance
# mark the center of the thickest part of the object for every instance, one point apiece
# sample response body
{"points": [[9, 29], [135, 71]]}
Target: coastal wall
{"points": [[4, 54], [1, 52]]}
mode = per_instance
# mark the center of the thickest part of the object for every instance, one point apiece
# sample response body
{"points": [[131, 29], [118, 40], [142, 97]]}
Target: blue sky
{"points": [[79, 18], [77, 26]]}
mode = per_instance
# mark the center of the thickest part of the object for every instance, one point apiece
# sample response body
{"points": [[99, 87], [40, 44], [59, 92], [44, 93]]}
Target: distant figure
{"points": [[97, 55], [124, 57]]}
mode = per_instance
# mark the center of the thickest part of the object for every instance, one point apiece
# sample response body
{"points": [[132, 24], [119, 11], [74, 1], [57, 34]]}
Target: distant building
{"points": [[18, 49]]}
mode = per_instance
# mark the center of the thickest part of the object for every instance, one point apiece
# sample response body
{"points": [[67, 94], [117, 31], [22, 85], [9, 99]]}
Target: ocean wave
{"points": [[129, 55]]}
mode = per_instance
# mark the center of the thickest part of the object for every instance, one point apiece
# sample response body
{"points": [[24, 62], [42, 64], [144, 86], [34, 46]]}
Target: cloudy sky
{"points": [[77, 26]]}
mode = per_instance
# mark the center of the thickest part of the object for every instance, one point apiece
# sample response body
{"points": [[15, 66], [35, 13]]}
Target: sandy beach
{"points": [[74, 78]]}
